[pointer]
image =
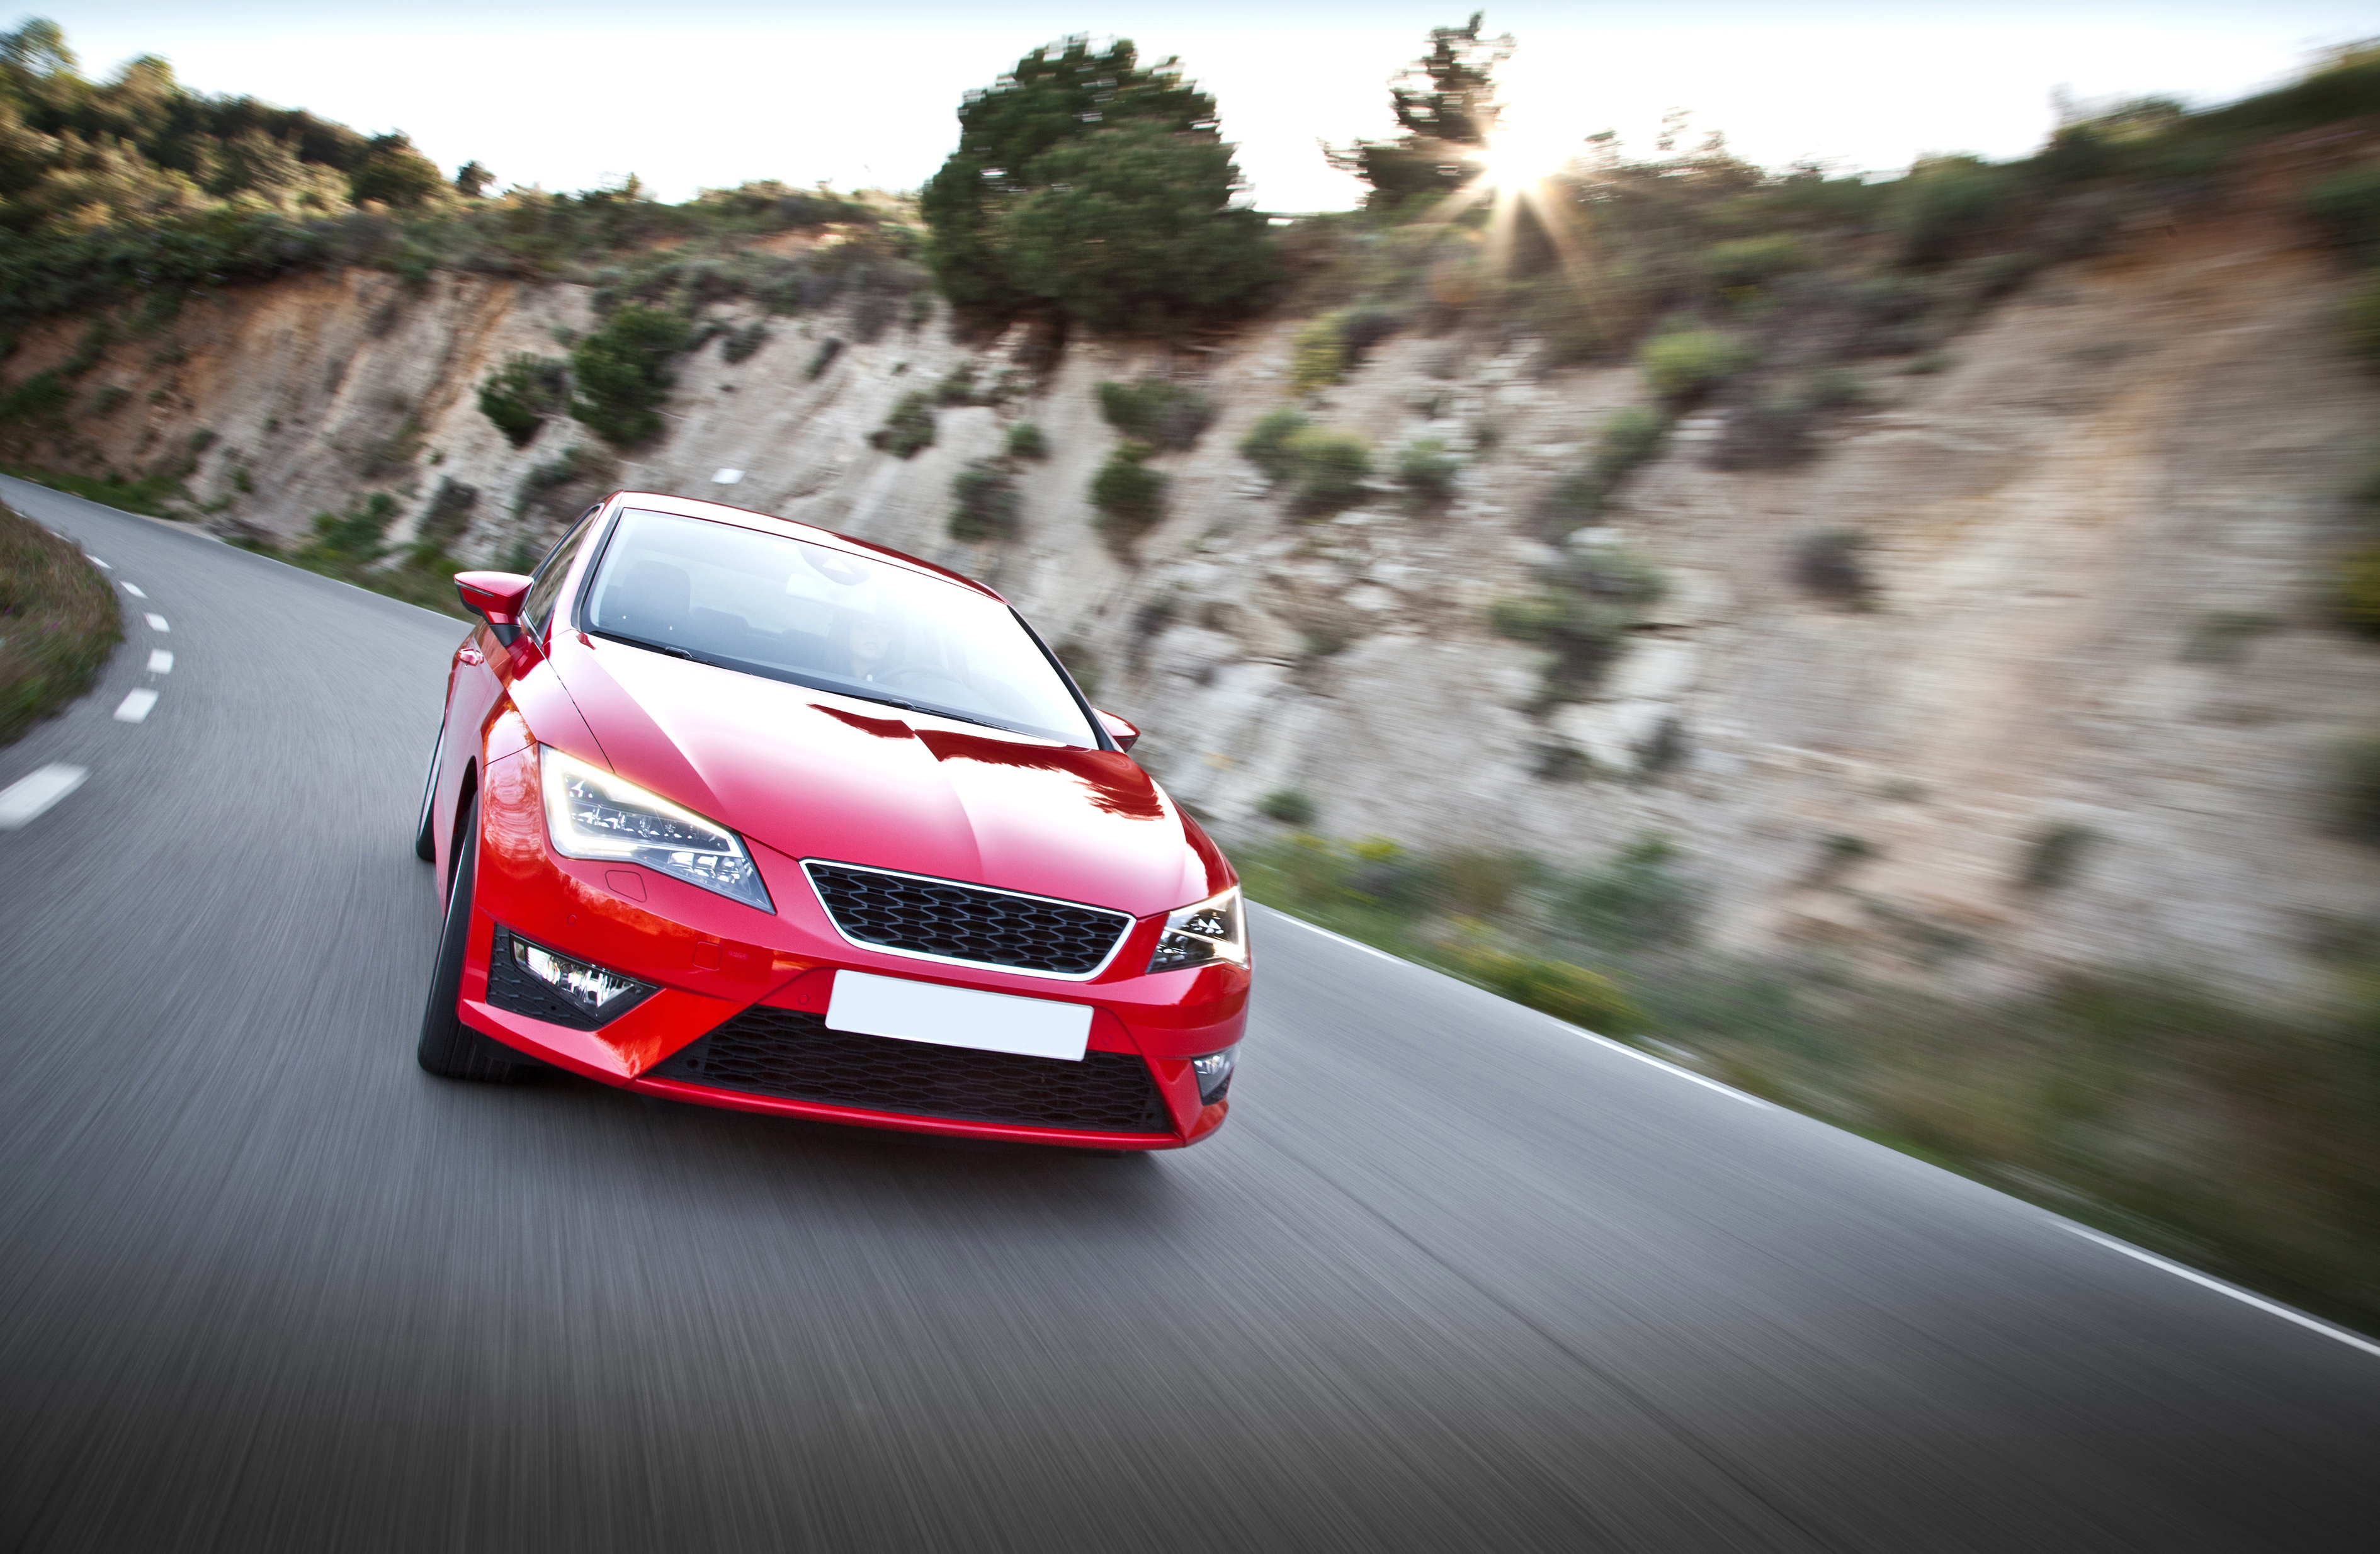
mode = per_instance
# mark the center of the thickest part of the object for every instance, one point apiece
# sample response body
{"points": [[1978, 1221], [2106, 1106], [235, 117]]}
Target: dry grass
{"points": [[57, 623]]}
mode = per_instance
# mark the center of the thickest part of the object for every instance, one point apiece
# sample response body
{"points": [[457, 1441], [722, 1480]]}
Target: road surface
{"points": [[1454, 1276]]}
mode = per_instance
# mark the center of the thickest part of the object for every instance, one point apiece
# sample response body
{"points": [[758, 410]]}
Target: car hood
{"points": [[818, 775]]}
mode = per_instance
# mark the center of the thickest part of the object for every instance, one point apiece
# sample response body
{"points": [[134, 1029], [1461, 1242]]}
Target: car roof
{"points": [[769, 523]]}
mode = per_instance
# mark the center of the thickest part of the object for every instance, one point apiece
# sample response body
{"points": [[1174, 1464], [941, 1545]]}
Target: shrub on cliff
{"points": [[1129, 497], [623, 373], [1327, 468], [1427, 471], [1025, 440], [1089, 186], [521, 394], [2361, 320], [985, 502], [1267, 443], [1683, 364], [1164, 415], [909, 427], [1571, 994]]}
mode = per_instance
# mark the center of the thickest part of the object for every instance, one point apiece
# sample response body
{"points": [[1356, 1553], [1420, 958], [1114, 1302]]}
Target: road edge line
{"points": [[2276, 1308]]}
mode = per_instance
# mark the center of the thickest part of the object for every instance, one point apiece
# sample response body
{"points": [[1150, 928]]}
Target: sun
{"points": [[1516, 158]]}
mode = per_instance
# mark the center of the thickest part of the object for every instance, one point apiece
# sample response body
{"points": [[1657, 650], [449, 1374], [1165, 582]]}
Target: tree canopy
{"points": [[77, 154], [1088, 187], [1445, 105]]}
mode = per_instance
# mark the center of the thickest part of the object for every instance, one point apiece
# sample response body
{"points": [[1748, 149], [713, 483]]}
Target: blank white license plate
{"points": [[894, 1006]]}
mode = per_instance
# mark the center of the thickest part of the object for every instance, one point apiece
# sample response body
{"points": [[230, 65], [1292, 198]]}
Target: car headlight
{"points": [[1213, 931], [591, 814]]}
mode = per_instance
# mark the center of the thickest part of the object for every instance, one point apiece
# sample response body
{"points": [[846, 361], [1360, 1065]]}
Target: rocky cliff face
{"points": [[2080, 715]]}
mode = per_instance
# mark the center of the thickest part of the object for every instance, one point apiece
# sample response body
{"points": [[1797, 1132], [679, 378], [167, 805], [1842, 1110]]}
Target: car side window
{"points": [[545, 588]]}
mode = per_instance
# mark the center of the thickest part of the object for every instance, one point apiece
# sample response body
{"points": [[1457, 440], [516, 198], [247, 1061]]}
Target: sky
{"points": [[709, 93]]}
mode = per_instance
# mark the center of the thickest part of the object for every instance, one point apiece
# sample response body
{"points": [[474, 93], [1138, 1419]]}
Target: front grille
{"points": [[967, 922], [791, 1053]]}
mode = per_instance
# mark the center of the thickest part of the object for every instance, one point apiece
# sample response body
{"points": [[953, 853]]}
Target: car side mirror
{"points": [[1122, 732], [495, 598]]}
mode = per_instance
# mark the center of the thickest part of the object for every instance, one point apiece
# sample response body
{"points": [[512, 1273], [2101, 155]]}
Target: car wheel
{"points": [[425, 844], [449, 1048]]}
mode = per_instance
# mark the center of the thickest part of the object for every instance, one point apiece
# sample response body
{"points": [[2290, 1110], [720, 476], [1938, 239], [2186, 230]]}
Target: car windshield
{"points": [[830, 620]]}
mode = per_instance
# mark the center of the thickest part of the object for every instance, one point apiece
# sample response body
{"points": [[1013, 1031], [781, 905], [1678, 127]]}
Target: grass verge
{"points": [[58, 621], [2244, 1141]]}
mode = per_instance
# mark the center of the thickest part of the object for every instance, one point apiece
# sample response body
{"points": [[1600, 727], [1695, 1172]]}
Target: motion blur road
{"points": [[1454, 1277]]}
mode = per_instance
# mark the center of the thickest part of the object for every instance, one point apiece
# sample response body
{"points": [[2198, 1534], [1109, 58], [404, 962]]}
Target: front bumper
{"points": [[721, 967]]}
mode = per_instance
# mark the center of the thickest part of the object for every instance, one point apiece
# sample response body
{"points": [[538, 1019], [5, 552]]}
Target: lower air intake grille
{"points": [[967, 922], [787, 1052]]}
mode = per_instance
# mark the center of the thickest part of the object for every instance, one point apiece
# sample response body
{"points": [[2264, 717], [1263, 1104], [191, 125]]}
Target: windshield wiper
{"points": [[929, 712]]}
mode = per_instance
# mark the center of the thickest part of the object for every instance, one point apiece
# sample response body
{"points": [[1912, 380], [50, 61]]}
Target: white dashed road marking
{"points": [[134, 590], [135, 705], [157, 623], [24, 799], [96, 562], [160, 662]]}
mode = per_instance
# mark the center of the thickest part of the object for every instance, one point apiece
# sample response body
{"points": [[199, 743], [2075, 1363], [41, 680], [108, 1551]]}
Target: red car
{"points": [[737, 811]]}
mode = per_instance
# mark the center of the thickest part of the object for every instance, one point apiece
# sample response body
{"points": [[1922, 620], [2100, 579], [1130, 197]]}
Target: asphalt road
{"points": [[1454, 1277]]}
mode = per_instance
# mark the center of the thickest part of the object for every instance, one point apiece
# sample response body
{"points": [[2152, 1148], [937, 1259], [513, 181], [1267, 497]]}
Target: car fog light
{"points": [[1214, 1071], [588, 988]]}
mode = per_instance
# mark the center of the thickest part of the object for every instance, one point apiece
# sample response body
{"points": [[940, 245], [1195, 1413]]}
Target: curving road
{"points": [[1453, 1278]]}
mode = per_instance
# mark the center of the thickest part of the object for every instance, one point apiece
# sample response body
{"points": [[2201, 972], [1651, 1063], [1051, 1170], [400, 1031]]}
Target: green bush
{"points": [[823, 359], [623, 373], [1833, 563], [1129, 496], [1569, 993], [1751, 261], [2054, 854], [40, 401], [1327, 468], [985, 503], [1267, 443], [2355, 772], [1319, 357], [1427, 471], [909, 427], [355, 539], [1948, 202], [1290, 807], [519, 395], [2355, 589], [742, 344], [2361, 320], [1025, 440], [1680, 365], [1637, 898], [1625, 439], [2346, 208], [1164, 415]]}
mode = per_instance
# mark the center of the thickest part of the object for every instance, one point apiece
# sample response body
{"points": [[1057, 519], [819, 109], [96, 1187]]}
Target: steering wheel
{"points": [[928, 681]]}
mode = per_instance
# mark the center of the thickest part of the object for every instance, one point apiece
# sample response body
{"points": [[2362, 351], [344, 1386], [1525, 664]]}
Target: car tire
{"points": [[450, 1049], [425, 841]]}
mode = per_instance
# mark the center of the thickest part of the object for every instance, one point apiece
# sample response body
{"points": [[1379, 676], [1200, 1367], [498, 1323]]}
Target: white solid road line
{"points": [[134, 590], [24, 799], [157, 623], [2275, 1308], [135, 705], [160, 662], [1620, 1047]]}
